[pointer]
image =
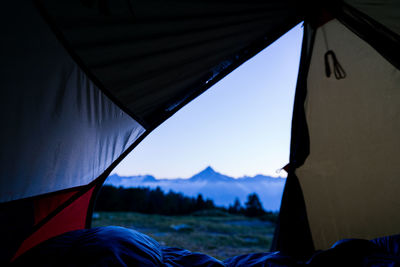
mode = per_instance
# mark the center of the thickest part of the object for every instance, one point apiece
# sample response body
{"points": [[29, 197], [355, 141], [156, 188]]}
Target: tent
{"points": [[84, 81]]}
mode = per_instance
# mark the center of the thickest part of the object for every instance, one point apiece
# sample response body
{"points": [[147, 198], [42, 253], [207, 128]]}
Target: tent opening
{"points": [[209, 179]]}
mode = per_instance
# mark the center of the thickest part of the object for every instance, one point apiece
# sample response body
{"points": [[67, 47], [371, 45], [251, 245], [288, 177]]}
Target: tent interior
{"points": [[84, 81]]}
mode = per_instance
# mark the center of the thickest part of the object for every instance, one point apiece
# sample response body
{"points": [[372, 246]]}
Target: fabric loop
{"points": [[337, 68]]}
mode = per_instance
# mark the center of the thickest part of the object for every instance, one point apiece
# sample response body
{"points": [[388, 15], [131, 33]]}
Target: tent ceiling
{"points": [[153, 56], [385, 12]]}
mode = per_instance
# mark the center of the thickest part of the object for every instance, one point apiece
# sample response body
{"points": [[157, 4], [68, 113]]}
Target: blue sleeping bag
{"points": [[118, 246]]}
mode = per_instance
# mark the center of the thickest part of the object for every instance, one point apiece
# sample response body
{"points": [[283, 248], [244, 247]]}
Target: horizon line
{"points": [[186, 178]]}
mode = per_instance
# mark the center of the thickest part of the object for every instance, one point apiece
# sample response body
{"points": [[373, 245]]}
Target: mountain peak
{"points": [[209, 175], [149, 178], [209, 169]]}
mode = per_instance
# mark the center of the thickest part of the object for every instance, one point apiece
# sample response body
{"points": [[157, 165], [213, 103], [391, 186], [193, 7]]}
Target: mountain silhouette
{"points": [[222, 189], [209, 175]]}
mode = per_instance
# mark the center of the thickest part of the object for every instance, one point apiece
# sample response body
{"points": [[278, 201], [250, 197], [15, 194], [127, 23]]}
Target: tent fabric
{"points": [[153, 56], [385, 12], [44, 206], [59, 130], [381, 38], [72, 217], [293, 224], [353, 127]]}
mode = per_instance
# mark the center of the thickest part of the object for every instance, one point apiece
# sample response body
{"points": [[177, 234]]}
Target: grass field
{"points": [[217, 234]]}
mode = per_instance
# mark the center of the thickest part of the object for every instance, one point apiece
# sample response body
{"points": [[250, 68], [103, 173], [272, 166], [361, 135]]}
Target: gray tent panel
{"points": [[58, 129]]}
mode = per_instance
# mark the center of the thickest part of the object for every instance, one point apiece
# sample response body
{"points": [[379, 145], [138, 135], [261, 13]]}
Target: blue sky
{"points": [[240, 126]]}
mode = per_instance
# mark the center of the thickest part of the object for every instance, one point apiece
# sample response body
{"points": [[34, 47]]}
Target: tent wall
{"points": [[58, 129], [60, 134], [350, 179]]}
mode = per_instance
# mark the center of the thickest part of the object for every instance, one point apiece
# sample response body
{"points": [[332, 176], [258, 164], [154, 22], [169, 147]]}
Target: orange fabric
{"points": [[73, 217]]}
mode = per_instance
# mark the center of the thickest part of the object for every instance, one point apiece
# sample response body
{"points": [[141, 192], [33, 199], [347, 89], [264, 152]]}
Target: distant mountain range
{"points": [[221, 188]]}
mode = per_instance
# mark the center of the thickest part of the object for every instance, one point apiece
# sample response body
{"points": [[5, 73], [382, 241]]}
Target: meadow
{"points": [[213, 232]]}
